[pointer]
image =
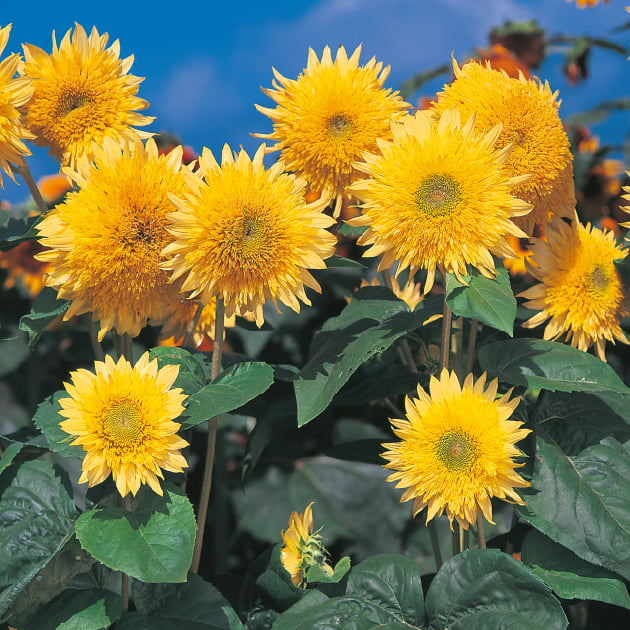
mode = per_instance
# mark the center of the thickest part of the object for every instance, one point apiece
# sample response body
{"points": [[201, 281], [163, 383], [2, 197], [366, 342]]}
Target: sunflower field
{"points": [[373, 374]]}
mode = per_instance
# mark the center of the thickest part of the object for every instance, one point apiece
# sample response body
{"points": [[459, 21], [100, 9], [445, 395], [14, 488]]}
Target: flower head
{"points": [[246, 233], [302, 548], [14, 93], [106, 239], [580, 290], [528, 111], [329, 115], [82, 95], [438, 196], [123, 418], [457, 449]]}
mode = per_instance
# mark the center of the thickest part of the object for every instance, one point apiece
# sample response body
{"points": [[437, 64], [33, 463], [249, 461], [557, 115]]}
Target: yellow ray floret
{"points": [[528, 113], [106, 238], [82, 95], [123, 418], [14, 93], [329, 115], [457, 448], [245, 233], [438, 196], [580, 290]]}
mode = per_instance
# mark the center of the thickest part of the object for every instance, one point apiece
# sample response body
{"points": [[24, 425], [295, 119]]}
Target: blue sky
{"points": [[204, 63]]}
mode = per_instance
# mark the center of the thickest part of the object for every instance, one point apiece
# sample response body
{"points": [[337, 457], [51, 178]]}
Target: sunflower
{"points": [[106, 239], [528, 111], [438, 196], [247, 234], [329, 115], [14, 93], [82, 95], [580, 290], [302, 548], [123, 418], [457, 449]]}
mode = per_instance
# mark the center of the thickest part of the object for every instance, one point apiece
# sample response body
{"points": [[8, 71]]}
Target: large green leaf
{"points": [[488, 300], [37, 517], [192, 375], [90, 609], [47, 420], [153, 542], [569, 576], [13, 349], [485, 588], [9, 455], [45, 310], [16, 230], [232, 389], [372, 321], [582, 502]]}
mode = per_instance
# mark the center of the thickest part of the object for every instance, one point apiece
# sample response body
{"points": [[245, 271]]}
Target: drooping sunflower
{"points": [[82, 95], [106, 238], [14, 93], [302, 548], [580, 289], [123, 418], [329, 115], [457, 448], [528, 111], [438, 196], [245, 233]]}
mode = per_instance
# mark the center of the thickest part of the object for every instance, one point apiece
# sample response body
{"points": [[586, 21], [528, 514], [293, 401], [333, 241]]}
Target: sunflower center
{"points": [[456, 450], [123, 423], [249, 240], [71, 99], [339, 126], [598, 280], [438, 195]]}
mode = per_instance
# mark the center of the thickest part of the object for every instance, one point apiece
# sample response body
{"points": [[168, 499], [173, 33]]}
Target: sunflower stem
{"points": [[435, 544], [472, 341], [25, 173], [96, 346], [455, 540], [124, 585], [457, 342], [206, 485], [461, 539], [126, 345], [481, 532], [446, 335], [189, 338]]}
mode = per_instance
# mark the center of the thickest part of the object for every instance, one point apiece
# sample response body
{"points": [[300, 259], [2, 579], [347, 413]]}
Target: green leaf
{"points": [[73, 609], [15, 230], [153, 543], [192, 375], [232, 389], [372, 321], [47, 420], [351, 230], [487, 300], [138, 621], [195, 601], [45, 310], [37, 517], [485, 588], [549, 365], [316, 574], [569, 576], [13, 350], [339, 262], [9, 455], [582, 502]]}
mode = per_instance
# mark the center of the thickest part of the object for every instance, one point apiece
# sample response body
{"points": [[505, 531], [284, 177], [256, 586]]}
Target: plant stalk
{"points": [[99, 355], [189, 338], [206, 485], [481, 532], [472, 341], [25, 173], [446, 336]]}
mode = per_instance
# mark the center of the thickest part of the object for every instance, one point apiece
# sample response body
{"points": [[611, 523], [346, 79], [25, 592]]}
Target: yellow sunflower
{"points": [[528, 111], [246, 233], [82, 95], [438, 196], [14, 93], [106, 239], [123, 418], [329, 115], [457, 449], [580, 290], [302, 548]]}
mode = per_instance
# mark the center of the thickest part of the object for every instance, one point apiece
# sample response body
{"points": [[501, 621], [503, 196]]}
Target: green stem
{"points": [[446, 336], [435, 544], [96, 346], [206, 485], [481, 533], [457, 347], [472, 341], [25, 173], [190, 331]]}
